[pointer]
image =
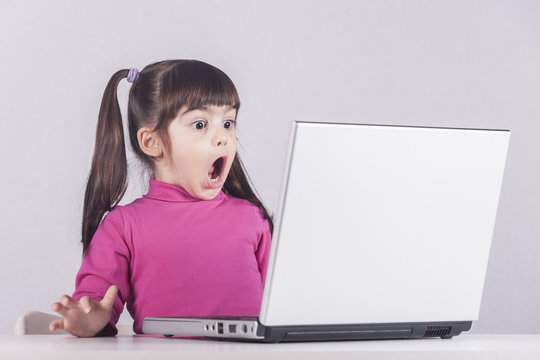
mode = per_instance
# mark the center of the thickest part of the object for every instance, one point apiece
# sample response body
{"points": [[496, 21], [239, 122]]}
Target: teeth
{"points": [[214, 180]]}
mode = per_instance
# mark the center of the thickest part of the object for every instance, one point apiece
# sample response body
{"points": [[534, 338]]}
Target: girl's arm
{"points": [[104, 272]]}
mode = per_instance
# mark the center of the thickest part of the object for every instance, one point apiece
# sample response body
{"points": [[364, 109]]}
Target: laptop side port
{"points": [[232, 328], [220, 328]]}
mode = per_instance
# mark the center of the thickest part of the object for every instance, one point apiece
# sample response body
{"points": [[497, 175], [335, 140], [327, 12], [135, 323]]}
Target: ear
{"points": [[149, 142]]}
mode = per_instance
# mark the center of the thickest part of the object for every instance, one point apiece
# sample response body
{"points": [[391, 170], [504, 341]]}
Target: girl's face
{"points": [[203, 147]]}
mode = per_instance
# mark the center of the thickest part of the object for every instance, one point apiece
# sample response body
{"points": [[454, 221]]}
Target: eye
{"points": [[229, 124], [199, 125]]}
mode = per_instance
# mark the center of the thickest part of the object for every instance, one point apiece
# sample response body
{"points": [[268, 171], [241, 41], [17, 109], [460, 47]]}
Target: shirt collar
{"points": [[160, 190]]}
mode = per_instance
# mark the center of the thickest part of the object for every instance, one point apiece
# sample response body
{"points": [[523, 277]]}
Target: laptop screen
{"points": [[383, 224]]}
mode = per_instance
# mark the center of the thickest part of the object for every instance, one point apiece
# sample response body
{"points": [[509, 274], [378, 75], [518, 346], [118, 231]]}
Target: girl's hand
{"points": [[86, 317]]}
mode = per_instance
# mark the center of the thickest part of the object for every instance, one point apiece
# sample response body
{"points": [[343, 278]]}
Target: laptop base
{"points": [[444, 330], [249, 329]]}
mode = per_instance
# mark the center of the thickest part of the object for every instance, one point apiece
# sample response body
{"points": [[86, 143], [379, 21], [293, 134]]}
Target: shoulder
{"points": [[242, 205], [127, 212], [114, 219], [129, 216], [115, 215], [252, 213], [122, 217]]}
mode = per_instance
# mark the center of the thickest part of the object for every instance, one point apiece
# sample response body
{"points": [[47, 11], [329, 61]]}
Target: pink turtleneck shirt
{"points": [[172, 255]]}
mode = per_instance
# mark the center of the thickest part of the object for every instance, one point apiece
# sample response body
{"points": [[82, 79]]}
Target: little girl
{"points": [[197, 244]]}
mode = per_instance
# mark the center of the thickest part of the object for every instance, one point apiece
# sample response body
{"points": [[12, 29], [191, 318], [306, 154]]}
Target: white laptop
{"points": [[382, 232]]}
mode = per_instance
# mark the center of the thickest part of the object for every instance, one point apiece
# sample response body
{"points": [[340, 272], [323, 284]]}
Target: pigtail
{"points": [[107, 180], [238, 185]]}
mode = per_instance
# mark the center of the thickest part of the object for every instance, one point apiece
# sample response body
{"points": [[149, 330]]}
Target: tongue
{"points": [[211, 169]]}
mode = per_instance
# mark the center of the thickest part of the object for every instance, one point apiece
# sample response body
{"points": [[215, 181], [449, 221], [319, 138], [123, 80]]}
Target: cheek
{"points": [[190, 159], [187, 160], [233, 155]]}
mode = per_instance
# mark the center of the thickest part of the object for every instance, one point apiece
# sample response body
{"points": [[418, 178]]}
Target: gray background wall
{"points": [[433, 63]]}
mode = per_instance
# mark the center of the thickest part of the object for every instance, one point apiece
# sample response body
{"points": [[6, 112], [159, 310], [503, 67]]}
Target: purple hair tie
{"points": [[132, 75]]}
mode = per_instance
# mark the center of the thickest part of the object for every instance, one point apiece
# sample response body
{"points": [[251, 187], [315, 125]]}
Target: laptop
{"points": [[382, 232]]}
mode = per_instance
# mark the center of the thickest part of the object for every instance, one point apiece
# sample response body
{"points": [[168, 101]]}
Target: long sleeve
{"points": [[106, 263], [263, 250]]}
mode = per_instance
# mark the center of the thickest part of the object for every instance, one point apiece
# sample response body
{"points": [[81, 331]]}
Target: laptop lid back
{"points": [[383, 224]]}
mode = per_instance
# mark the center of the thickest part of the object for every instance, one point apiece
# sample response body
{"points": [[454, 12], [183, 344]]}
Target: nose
{"points": [[221, 140]]}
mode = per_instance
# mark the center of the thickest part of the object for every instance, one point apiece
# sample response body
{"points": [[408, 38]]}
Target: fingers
{"points": [[87, 304], [67, 301], [59, 308], [109, 297], [56, 324]]}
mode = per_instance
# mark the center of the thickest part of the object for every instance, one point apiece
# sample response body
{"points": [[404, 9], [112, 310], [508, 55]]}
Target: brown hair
{"points": [[155, 99]]}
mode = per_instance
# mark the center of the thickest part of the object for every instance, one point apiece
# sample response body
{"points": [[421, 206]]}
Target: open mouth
{"points": [[216, 169]]}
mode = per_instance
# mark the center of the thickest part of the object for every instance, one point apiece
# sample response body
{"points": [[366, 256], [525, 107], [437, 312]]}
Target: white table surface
{"points": [[464, 346]]}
